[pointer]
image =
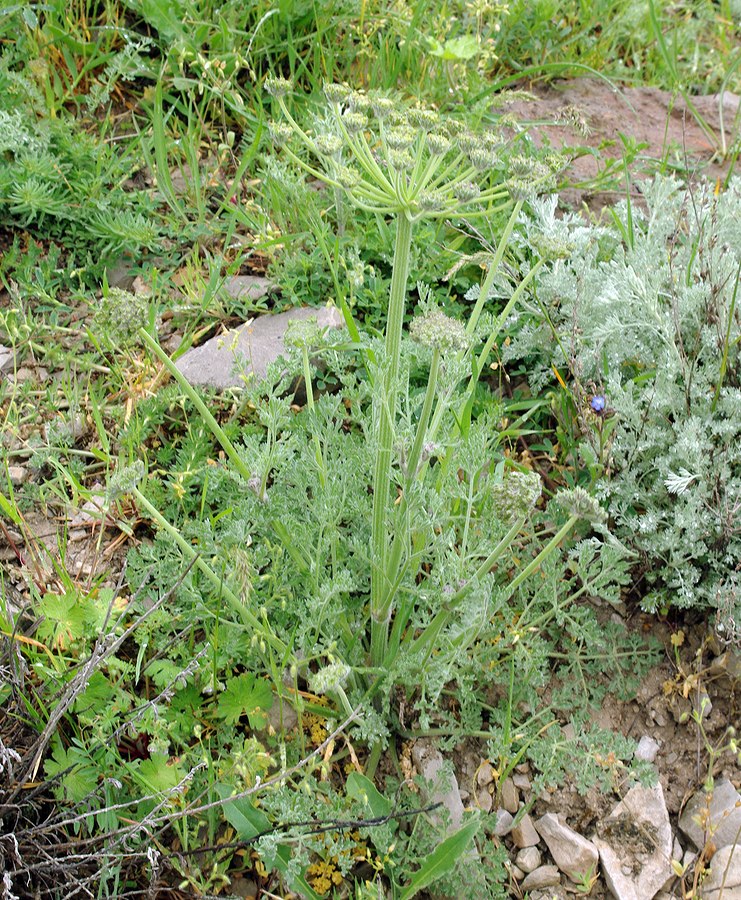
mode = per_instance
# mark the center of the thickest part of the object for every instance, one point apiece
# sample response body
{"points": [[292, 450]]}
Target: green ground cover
{"points": [[528, 415]]}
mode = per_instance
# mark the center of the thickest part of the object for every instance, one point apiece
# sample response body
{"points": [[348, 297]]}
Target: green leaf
{"points": [[64, 621], [82, 777], [456, 49], [157, 775], [249, 821], [442, 859], [360, 788], [245, 694]]}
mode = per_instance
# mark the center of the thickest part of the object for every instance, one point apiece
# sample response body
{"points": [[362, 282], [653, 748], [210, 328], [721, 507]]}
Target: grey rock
{"points": [[724, 880], [635, 845], [545, 876], [677, 849], [429, 762], [485, 774], [282, 717], [516, 872], [253, 287], [7, 358], [521, 782], [524, 834], [720, 813], [18, 475], [572, 853], [510, 798], [528, 859], [727, 665], [504, 822], [647, 749], [484, 800], [226, 360]]}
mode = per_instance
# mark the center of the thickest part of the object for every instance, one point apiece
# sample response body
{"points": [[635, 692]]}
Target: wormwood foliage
{"points": [[652, 327]]}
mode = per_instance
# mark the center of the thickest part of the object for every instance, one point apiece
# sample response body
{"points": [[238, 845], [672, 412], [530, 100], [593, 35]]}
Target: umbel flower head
{"points": [[516, 495], [577, 502], [404, 160], [439, 332], [121, 314]]}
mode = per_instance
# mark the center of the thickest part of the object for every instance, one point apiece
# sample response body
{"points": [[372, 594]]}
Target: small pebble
{"points": [[647, 749], [545, 876], [524, 834], [18, 475], [504, 822], [528, 859], [522, 782], [485, 774], [484, 800], [510, 799]]}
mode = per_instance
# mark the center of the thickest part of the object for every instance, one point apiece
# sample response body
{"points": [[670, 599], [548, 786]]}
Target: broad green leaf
{"points": [[360, 788], [64, 618], [442, 859], [245, 694], [248, 821], [456, 49], [157, 774]]}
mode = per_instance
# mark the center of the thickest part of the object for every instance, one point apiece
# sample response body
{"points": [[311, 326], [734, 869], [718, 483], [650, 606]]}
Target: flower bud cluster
{"points": [[124, 480], [439, 332], [330, 678], [121, 314], [402, 159], [514, 497], [577, 502]]}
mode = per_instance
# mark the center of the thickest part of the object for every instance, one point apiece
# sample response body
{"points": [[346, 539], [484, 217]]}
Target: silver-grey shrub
{"points": [[645, 312]]}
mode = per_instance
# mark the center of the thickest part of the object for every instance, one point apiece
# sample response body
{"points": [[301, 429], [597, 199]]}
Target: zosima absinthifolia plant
{"points": [[408, 165]]}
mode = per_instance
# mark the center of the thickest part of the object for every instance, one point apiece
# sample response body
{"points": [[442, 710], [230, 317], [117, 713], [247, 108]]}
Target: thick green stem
{"points": [[401, 532], [385, 415]]}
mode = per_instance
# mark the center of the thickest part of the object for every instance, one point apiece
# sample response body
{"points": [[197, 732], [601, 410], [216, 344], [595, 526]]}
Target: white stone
{"points": [[444, 786], [18, 475], [647, 749], [504, 822], [510, 798], [484, 800], [572, 853], [545, 876], [7, 358], [720, 815], [485, 774], [635, 845], [528, 859], [524, 834], [521, 782], [724, 880]]}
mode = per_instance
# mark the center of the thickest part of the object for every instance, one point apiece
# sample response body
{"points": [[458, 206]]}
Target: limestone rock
{"points": [[7, 357], [720, 813], [227, 359], [510, 799], [647, 748], [504, 822], [251, 286], [724, 879], [635, 845], [528, 859], [429, 762], [545, 876], [524, 834], [572, 853]]}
